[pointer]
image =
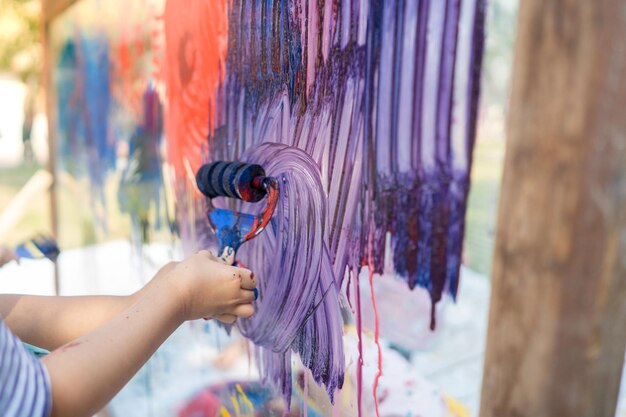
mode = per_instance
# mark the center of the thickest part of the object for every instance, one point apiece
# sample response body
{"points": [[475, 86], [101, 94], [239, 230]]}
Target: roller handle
{"points": [[232, 179]]}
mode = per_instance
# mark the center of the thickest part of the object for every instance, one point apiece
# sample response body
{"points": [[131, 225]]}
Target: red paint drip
{"points": [[376, 339], [261, 221], [359, 364]]}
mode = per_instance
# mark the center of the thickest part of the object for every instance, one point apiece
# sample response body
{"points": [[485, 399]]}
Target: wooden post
{"points": [[50, 10], [557, 324]]}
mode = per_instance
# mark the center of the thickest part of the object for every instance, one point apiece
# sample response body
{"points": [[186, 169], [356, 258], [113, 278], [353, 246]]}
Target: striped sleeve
{"points": [[24, 383]]}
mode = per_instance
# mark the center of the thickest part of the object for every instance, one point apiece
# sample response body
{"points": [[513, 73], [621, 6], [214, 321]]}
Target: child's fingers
{"points": [[248, 296], [226, 318], [248, 282], [243, 310]]}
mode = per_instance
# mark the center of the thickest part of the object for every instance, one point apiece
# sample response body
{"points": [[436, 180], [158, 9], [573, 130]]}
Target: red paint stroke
{"points": [[376, 339], [129, 69], [196, 40], [264, 218]]}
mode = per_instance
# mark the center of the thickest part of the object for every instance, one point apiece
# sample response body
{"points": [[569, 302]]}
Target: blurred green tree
{"points": [[20, 38]]}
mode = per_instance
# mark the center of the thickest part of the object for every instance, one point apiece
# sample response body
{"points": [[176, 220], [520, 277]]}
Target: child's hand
{"points": [[209, 288]]}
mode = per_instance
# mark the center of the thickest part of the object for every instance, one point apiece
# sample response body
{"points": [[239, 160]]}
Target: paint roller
{"points": [[243, 181]]}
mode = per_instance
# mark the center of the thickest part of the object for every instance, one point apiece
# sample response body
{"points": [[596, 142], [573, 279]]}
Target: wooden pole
{"points": [[557, 324], [50, 10]]}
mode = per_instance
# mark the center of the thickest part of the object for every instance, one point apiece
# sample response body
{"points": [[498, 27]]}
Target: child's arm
{"points": [[88, 372], [50, 322]]}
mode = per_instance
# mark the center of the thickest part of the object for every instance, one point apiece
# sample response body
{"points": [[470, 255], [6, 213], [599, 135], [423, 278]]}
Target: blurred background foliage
{"points": [[20, 38], [501, 24], [21, 59], [488, 157]]}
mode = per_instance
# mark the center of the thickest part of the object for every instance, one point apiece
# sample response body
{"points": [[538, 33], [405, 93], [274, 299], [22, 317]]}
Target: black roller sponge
{"points": [[231, 179]]}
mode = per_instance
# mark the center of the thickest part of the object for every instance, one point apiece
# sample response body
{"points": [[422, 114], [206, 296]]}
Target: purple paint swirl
{"points": [[298, 305]]}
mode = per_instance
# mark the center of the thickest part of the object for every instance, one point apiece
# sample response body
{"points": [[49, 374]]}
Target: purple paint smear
{"points": [[300, 269], [380, 100]]}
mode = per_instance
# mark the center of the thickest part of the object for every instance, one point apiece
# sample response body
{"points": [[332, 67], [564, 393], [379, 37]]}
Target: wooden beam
{"points": [[557, 323], [52, 8]]}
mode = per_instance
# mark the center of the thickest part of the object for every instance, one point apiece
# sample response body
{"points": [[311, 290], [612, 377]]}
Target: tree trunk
{"points": [[557, 324]]}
